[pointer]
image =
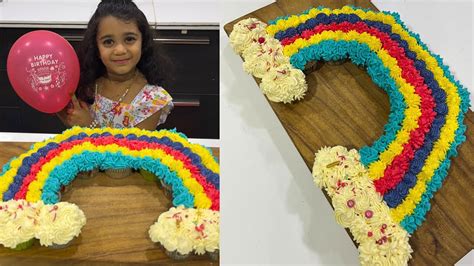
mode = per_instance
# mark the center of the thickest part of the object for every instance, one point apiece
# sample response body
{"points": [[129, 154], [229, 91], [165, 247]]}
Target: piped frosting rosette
{"points": [[264, 58], [34, 179], [357, 206], [52, 224], [186, 230], [409, 162]]}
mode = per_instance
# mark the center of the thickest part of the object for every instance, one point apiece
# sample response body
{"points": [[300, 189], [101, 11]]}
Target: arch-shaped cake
{"points": [[382, 191]]}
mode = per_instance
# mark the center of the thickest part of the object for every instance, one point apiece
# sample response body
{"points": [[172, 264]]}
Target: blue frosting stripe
{"points": [[65, 173], [28, 161]]}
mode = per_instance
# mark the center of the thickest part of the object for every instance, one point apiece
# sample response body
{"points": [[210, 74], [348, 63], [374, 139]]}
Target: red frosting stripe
{"points": [[394, 172]]}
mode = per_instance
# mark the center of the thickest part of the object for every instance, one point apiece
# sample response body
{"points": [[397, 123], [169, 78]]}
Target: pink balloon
{"points": [[43, 69]]}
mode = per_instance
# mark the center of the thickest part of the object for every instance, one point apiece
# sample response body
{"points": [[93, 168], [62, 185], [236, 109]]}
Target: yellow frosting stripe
{"points": [[412, 99], [201, 200]]}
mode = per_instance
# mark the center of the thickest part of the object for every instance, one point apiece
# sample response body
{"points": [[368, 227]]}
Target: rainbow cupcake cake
{"points": [[381, 192], [30, 185]]}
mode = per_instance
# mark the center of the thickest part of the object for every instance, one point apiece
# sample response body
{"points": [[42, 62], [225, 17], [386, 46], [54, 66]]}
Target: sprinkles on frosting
{"points": [[409, 162]]}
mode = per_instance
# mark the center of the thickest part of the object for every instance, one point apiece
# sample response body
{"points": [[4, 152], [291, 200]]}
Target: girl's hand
{"points": [[76, 114]]}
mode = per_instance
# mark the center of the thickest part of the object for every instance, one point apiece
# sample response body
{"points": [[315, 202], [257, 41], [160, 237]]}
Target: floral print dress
{"points": [[150, 99]]}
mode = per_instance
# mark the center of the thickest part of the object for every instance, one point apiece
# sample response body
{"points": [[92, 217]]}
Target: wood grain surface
{"points": [[119, 213], [344, 107]]}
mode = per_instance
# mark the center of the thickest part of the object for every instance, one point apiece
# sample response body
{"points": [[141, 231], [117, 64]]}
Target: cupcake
{"points": [[312, 66], [118, 173], [214, 255], [24, 245], [176, 255], [116, 166], [88, 174], [181, 231], [206, 233], [58, 246], [58, 224], [17, 224], [336, 62], [174, 232], [147, 175], [167, 190]]}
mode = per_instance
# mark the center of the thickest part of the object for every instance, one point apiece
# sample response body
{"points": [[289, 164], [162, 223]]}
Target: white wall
{"points": [[271, 211]]}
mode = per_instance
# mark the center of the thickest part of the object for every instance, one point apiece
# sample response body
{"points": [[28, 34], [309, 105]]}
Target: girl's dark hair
{"points": [[152, 62]]}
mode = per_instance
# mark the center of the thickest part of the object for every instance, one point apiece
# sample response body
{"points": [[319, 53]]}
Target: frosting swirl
{"points": [[20, 221], [186, 230], [59, 223], [284, 84], [246, 32], [259, 58]]}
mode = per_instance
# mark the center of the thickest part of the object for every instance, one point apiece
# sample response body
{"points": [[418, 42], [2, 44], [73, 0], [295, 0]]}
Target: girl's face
{"points": [[120, 45]]}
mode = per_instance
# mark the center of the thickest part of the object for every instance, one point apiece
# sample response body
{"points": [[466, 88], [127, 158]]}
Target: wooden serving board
{"points": [[119, 213], [344, 107]]}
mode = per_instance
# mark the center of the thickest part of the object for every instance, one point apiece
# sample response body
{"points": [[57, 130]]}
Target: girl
{"points": [[120, 72]]}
